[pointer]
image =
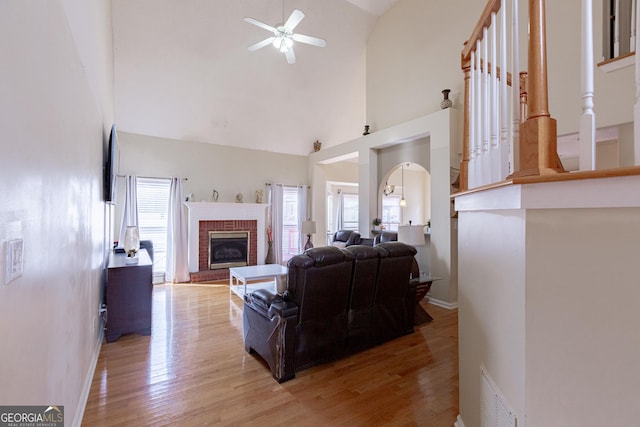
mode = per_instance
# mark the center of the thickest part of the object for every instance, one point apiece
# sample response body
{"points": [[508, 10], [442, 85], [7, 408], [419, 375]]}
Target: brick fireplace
{"points": [[209, 216], [204, 273]]}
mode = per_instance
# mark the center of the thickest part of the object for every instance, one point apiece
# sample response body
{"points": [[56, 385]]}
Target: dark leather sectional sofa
{"points": [[337, 302]]}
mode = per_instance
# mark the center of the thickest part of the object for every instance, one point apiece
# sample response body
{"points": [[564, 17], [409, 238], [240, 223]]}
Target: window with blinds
{"points": [[153, 213], [391, 212], [289, 223], [350, 212], [619, 28]]}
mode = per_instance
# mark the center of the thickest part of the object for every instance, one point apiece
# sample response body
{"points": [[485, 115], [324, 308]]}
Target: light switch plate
{"points": [[15, 252]]}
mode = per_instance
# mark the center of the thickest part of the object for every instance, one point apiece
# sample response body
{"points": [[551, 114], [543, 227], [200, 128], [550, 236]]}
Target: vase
{"points": [[269, 258], [446, 102]]}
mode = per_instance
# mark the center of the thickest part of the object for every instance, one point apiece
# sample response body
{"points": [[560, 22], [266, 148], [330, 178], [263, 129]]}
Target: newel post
{"points": [[538, 145]]}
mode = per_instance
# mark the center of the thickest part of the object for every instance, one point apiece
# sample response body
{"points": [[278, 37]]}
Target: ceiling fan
{"points": [[283, 36]]}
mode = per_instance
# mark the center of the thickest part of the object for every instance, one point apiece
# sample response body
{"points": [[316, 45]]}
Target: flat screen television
{"points": [[112, 167]]}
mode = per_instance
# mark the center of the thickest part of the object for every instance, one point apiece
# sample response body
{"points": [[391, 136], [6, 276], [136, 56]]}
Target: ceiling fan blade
{"points": [[291, 57], [294, 19], [309, 40], [261, 44], [260, 24]]}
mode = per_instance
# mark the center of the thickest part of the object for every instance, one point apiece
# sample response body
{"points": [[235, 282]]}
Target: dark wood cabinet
{"points": [[128, 295]]}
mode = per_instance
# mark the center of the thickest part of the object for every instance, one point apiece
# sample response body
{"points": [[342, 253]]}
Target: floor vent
{"points": [[494, 412]]}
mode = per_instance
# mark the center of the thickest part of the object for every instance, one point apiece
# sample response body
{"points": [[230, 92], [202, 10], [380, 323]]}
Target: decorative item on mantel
{"points": [[131, 244], [214, 196], [239, 198], [446, 102], [259, 195], [317, 146], [366, 130]]}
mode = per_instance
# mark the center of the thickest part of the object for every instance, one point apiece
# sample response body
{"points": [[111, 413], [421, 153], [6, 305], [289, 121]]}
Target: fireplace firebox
{"points": [[228, 249]]}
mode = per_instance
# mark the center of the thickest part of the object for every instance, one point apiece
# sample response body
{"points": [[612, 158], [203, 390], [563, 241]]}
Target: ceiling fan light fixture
{"points": [[283, 35]]}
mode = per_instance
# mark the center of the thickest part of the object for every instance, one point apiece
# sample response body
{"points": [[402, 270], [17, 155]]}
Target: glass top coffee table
{"points": [[244, 280]]}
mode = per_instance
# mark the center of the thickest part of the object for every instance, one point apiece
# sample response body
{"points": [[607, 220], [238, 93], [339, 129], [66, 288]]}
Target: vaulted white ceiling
{"points": [[183, 71]]}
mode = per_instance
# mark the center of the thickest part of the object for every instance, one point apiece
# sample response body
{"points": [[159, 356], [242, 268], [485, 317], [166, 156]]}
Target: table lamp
{"points": [[308, 228]]}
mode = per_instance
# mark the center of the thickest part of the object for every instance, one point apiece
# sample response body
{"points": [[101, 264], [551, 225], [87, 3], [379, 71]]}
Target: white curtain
{"points": [[130, 208], [303, 215], [177, 264], [276, 221], [340, 212]]}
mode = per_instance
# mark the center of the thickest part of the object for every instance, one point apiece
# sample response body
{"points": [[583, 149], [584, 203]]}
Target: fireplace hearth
{"points": [[228, 249]]}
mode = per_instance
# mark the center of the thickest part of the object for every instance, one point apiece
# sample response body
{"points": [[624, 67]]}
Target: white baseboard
{"points": [[439, 303], [84, 395], [458, 422]]}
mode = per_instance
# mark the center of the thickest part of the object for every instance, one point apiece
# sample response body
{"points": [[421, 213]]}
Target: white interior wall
{"points": [[57, 106], [582, 349], [491, 305], [426, 38], [207, 167], [535, 262]]}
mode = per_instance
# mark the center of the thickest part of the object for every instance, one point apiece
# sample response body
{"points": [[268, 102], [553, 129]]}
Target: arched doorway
{"points": [[412, 182]]}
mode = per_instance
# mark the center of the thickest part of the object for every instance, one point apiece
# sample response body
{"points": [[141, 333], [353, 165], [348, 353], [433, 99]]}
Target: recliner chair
{"points": [[385, 236], [348, 237]]}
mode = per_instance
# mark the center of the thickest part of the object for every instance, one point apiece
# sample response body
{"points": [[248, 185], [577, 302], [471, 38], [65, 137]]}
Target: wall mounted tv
{"points": [[112, 167]]}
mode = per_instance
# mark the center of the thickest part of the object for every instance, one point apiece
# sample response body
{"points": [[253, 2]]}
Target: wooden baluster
{"points": [[473, 140], [478, 107], [504, 117], [587, 129], [616, 29], [468, 123], [523, 96], [632, 36], [486, 117], [516, 87], [494, 153]]}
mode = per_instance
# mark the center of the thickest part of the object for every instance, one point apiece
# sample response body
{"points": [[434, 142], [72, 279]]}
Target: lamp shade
{"points": [[411, 234], [308, 227]]}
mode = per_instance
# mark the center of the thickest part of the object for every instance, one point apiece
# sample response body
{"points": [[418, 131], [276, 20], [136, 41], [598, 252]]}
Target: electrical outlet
{"points": [[14, 261]]}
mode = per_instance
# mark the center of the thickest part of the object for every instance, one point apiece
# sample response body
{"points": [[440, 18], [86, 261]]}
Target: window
{"points": [[350, 212], [289, 223], [391, 212], [619, 32], [153, 213]]}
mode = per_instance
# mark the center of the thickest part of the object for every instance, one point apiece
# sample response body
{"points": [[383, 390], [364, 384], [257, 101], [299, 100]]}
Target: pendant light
{"points": [[403, 202]]}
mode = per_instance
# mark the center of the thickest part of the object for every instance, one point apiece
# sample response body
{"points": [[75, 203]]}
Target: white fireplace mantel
{"points": [[214, 211]]}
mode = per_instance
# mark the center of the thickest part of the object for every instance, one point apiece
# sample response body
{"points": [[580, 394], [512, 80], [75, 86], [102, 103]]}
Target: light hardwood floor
{"points": [[193, 370]]}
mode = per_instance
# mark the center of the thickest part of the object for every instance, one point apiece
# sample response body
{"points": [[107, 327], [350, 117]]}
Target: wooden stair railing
{"points": [[493, 149]]}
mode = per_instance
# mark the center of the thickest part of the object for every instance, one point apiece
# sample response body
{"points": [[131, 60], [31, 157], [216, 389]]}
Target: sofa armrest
{"points": [[283, 309], [268, 324], [270, 304]]}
